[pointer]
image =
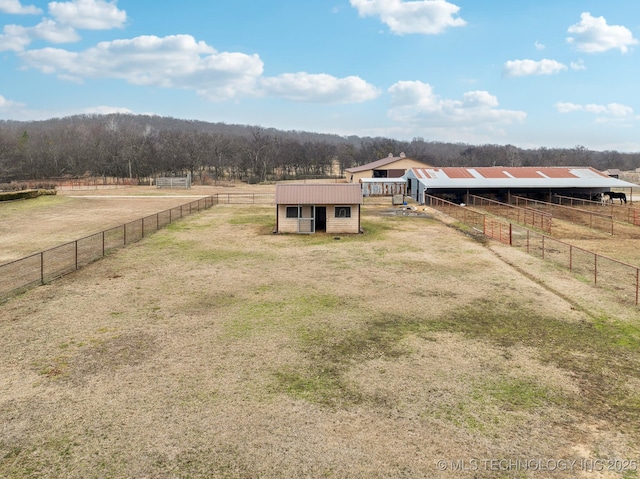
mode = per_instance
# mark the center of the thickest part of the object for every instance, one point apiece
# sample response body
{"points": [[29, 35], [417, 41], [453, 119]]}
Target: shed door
{"points": [[321, 218]]}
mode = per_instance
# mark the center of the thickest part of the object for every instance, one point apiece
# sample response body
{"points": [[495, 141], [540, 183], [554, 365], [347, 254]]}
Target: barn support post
{"points": [[510, 234], [595, 269]]}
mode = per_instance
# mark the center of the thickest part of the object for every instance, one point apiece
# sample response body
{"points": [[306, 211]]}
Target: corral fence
{"points": [[594, 220], [177, 182], [621, 278], [526, 216], [43, 267], [626, 214], [491, 227], [244, 198]]}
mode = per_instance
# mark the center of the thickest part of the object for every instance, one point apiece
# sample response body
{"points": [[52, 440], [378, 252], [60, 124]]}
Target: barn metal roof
{"points": [[517, 177], [319, 194], [380, 163]]}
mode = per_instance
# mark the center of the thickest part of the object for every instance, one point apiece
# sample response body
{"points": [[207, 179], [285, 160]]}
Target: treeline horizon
{"points": [[143, 146]]}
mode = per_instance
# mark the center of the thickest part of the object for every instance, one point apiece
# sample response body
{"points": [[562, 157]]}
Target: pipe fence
{"points": [[43, 267], [491, 227], [619, 212], [594, 220], [618, 277], [527, 216]]}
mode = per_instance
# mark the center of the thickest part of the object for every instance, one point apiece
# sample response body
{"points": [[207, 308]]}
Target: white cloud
{"points": [[106, 110], [16, 8], [88, 14], [14, 38], [176, 61], [539, 46], [578, 65], [6, 104], [520, 68], [17, 37], [612, 109], [418, 16], [593, 35], [68, 16], [319, 88], [179, 61], [415, 102]]}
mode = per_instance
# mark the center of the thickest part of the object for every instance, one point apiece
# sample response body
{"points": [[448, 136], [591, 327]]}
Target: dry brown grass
{"points": [[214, 348]]}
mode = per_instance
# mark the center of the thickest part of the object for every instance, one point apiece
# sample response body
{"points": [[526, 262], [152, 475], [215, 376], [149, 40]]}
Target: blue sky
{"points": [[554, 73]]}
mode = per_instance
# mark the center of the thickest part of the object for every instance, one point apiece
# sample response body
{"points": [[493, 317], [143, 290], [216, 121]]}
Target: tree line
{"points": [[142, 146]]}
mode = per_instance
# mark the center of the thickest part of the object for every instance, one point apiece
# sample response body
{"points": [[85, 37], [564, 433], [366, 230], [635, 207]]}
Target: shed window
{"points": [[343, 212], [292, 211]]}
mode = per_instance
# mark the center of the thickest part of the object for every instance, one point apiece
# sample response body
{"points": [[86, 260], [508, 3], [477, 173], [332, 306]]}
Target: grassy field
{"points": [[214, 348]]}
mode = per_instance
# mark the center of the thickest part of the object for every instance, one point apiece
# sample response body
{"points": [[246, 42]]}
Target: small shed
{"points": [[311, 208]]}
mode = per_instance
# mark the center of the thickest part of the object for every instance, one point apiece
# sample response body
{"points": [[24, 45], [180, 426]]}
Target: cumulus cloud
{"points": [[176, 61], [538, 45], [593, 35], [520, 68], [88, 14], [319, 88], [16, 8], [419, 16], [611, 109], [415, 102], [67, 18], [179, 61]]}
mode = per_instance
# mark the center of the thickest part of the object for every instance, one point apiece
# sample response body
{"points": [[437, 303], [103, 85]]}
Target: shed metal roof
{"points": [[517, 177], [319, 194]]}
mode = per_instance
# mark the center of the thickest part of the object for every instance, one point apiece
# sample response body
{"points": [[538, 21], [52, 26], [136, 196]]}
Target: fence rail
{"points": [[619, 212], [245, 198], [491, 227], [517, 214], [43, 267], [621, 278], [599, 221]]}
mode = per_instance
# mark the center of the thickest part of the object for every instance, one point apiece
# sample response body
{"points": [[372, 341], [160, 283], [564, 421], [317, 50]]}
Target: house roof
{"points": [[378, 163], [517, 177], [319, 194]]}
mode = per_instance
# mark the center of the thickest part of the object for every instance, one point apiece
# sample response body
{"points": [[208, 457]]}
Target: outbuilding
{"points": [[389, 167], [541, 183], [310, 208]]}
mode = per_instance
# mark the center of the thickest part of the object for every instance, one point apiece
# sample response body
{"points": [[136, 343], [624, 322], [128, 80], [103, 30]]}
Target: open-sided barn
{"points": [[500, 182], [309, 208]]}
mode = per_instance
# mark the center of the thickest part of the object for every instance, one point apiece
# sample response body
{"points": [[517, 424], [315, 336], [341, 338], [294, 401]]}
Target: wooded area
{"points": [[141, 146]]}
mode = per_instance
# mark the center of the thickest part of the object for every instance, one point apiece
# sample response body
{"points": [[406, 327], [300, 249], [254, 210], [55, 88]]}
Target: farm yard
{"points": [[214, 348]]}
